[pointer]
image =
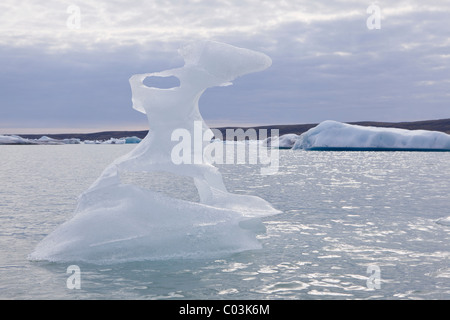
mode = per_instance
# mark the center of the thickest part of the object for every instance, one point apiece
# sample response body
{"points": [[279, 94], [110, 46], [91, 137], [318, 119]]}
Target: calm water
{"points": [[343, 212]]}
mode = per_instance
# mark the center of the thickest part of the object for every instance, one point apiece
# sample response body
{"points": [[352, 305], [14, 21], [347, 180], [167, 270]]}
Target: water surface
{"points": [[343, 212]]}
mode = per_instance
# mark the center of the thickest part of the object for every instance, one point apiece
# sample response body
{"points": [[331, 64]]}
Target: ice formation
{"points": [[125, 140], [13, 139], [332, 135], [286, 141], [115, 141], [133, 139], [116, 222]]}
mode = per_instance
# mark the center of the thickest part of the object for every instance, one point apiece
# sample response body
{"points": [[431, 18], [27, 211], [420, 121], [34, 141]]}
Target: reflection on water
{"points": [[343, 212]]}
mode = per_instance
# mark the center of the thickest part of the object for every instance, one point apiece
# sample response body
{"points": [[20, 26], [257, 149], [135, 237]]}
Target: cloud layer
{"points": [[326, 63]]}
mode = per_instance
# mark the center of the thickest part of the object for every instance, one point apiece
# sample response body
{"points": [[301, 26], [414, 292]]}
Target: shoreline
{"points": [[441, 125]]}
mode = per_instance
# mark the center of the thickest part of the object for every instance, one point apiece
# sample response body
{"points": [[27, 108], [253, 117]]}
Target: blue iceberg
{"points": [[331, 135]]}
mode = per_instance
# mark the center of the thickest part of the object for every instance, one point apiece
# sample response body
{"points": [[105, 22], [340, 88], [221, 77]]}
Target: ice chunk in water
{"points": [[335, 135], [116, 222]]}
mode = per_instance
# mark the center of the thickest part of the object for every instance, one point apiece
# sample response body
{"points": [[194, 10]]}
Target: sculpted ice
{"points": [[115, 221]]}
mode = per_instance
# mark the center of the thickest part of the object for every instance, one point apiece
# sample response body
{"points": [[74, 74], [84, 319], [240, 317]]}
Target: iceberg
{"points": [[92, 142], [44, 140], [48, 140], [114, 141], [332, 135], [133, 139], [71, 141], [285, 141], [116, 221], [13, 139]]}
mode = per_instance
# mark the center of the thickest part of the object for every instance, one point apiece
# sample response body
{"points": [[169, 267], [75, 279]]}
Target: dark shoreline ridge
{"points": [[442, 125]]}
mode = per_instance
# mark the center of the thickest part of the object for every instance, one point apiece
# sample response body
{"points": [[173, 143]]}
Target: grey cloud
{"points": [[328, 67]]}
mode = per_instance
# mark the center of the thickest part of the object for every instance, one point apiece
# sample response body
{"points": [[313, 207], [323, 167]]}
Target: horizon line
{"points": [[68, 131]]}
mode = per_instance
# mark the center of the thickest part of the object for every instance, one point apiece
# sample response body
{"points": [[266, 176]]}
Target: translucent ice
{"points": [[133, 139], [116, 222], [335, 135]]}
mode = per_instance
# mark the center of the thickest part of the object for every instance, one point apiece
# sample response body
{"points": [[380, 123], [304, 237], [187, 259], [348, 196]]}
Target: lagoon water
{"points": [[348, 218]]}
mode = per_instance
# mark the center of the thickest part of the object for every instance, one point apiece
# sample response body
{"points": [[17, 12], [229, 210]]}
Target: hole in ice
{"points": [[169, 184], [162, 82]]}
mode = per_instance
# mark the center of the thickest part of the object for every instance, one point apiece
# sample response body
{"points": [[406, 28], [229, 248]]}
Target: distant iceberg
{"points": [[47, 140], [52, 141], [127, 140], [332, 135], [92, 142], [133, 139], [114, 141], [71, 141], [286, 141], [12, 139]]}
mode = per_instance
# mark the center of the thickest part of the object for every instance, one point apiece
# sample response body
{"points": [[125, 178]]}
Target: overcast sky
{"points": [[326, 62]]}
